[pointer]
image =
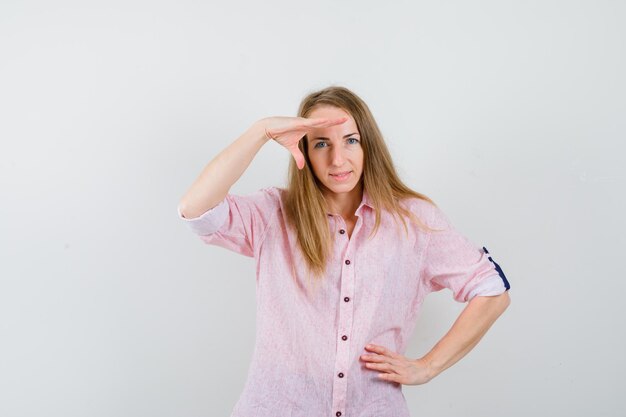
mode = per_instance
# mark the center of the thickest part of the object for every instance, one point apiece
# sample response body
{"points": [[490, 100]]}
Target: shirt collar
{"points": [[365, 201]]}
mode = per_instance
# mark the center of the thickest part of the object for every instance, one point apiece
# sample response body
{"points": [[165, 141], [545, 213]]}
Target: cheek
{"points": [[316, 165], [358, 159]]}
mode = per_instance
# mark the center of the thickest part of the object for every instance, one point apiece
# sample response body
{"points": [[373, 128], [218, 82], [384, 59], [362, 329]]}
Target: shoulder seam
{"points": [[264, 234], [426, 247]]}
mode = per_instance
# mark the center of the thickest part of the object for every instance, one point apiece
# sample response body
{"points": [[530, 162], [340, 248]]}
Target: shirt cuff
{"points": [[208, 222], [490, 286]]}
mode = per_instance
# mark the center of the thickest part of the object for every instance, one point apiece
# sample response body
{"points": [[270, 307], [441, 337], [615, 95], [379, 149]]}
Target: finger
{"points": [[374, 358], [381, 350], [378, 366], [376, 348], [340, 120], [332, 122], [297, 155], [392, 364], [308, 124], [303, 126], [390, 377], [315, 120], [324, 122]]}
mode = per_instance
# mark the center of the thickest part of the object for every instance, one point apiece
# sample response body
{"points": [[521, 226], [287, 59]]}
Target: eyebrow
{"points": [[348, 135]]}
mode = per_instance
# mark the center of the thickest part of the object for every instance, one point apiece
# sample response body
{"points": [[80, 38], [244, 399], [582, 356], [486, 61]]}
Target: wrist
{"points": [[431, 366], [258, 130]]}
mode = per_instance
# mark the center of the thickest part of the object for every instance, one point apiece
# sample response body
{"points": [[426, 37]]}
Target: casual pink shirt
{"points": [[309, 338]]}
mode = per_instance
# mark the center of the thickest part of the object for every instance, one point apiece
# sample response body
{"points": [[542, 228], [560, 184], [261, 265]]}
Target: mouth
{"points": [[339, 176]]}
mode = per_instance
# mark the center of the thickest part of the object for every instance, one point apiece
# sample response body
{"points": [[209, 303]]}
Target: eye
{"points": [[317, 145], [354, 139]]}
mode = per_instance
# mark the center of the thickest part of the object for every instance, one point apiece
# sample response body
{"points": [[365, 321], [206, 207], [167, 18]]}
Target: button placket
{"points": [[346, 314]]}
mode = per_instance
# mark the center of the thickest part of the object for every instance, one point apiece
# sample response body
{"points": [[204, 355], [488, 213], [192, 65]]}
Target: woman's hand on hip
{"points": [[396, 368]]}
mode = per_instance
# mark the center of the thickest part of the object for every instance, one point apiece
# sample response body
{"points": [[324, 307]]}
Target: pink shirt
{"points": [[309, 339]]}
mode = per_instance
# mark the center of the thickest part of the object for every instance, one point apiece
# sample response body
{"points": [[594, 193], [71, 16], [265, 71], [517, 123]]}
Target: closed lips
{"points": [[341, 173]]}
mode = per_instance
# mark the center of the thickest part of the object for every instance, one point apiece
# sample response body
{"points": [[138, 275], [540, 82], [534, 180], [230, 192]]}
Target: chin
{"points": [[341, 188]]}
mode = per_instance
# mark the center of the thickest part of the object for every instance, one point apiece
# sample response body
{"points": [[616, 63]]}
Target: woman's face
{"points": [[335, 150]]}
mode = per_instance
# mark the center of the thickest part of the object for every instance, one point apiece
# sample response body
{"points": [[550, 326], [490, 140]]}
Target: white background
{"points": [[510, 115]]}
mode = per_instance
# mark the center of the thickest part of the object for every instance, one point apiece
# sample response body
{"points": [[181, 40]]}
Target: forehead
{"points": [[331, 112]]}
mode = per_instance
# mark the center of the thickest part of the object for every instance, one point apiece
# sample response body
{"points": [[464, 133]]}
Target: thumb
{"points": [[297, 155]]}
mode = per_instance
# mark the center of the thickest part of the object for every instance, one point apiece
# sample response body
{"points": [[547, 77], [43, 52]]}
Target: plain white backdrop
{"points": [[510, 115]]}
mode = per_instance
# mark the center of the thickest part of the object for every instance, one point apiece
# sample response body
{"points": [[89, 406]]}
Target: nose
{"points": [[337, 156]]}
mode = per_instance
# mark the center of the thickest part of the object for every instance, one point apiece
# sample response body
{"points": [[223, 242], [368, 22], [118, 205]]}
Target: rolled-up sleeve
{"points": [[210, 221], [452, 261], [238, 223]]}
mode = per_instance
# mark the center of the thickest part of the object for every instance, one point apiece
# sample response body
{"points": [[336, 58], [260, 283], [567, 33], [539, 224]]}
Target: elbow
{"points": [[507, 297], [505, 301], [181, 209]]}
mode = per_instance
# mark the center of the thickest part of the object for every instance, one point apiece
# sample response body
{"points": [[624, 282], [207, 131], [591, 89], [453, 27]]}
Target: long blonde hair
{"points": [[305, 205]]}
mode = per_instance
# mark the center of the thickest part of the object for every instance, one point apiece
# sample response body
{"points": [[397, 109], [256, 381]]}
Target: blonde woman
{"points": [[345, 256]]}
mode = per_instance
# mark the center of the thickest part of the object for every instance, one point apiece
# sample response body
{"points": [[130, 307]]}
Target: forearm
{"points": [[466, 332], [218, 176]]}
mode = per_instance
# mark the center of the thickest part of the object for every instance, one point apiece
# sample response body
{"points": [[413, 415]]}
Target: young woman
{"points": [[372, 248]]}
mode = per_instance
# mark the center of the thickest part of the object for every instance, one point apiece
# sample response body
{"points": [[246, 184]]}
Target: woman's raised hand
{"points": [[289, 130]]}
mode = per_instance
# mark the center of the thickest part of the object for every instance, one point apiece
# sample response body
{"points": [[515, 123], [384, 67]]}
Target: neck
{"points": [[345, 204]]}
